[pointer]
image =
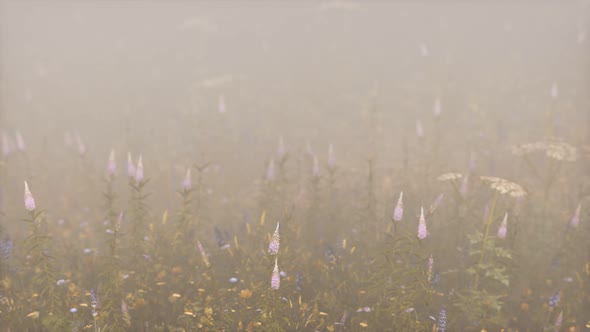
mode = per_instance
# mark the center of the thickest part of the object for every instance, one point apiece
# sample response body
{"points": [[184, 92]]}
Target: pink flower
{"points": [[422, 232], [503, 227], [398, 212], [275, 241], [29, 200], [187, 182], [275, 281], [139, 170], [576, 218], [130, 166], [111, 166]]}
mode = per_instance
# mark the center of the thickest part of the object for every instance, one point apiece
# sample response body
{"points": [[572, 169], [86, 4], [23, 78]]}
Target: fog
{"points": [[315, 115]]}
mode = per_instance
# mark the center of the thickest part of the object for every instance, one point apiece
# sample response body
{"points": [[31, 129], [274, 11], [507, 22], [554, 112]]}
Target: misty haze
{"points": [[294, 166]]}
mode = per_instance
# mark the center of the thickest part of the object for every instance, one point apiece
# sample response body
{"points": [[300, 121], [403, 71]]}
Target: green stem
{"points": [[485, 237]]}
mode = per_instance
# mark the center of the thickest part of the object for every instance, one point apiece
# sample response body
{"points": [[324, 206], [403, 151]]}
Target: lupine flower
{"points": [[554, 299], [275, 280], [270, 171], [437, 202], [20, 142], [442, 320], [130, 166], [93, 302], [398, 212], [316, 167], [576, 218], [221, 104], [139, 170], [419, 129], [554, 91], [331, 156], [111, 166], [275, 241], [204, 255], [559, 319], [503, 227], [430, 266], [29, 200], [422, 232], [437, 107], [187, 182], [281, 151]]}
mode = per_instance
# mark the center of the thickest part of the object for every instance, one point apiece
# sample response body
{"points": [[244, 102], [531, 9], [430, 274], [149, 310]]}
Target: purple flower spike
{"points": [[422, 232], [29, 200], [20, 142], [275, 281], [112, 165], [275, 242], [187, 182], [139, 170], [331, 156], [503, 227], [130, 166], [270, 171], [398, 212], [576, 218]]}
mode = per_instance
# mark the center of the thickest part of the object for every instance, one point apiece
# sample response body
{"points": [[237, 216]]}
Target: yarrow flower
{"points": [[275, 280], [275, 241], [111, 166], [398, 212], [130, 166], [139, 170], [552, 147], [422, 232], [29, 200], [449, 176], [504, 186], [187, 182], [503, 227]]}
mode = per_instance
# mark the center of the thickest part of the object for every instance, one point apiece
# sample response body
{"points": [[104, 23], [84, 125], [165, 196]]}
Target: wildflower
{"points": [[60, 282], [430, 266], [130, 166], [331, 156], [29, 200], [221, 104], [111, 166], [422, 232], [316, 167], [233, 280], [559, 319], [93, 302], [502, 229], [281, 152], [576, 218], [554, 299], [270, 171], [449, 176], [504, 186], [437, 107], [553, 148], [139, 170], [554, 91], [419, 129], [273, 247], [20, 142], [204, 254], [187, 182], [436, 203], [275, 281], [398, 212], [442, 320]]}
